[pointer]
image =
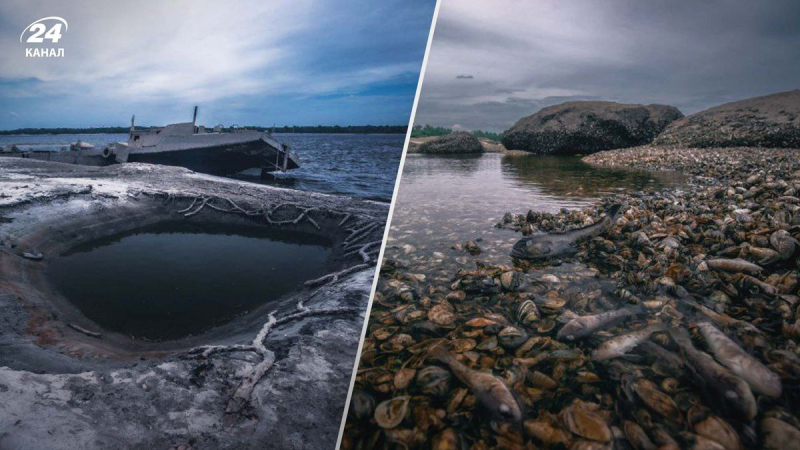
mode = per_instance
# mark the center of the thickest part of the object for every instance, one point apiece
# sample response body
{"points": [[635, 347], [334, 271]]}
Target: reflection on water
{"points": [[570, 178], [443, 201], [175, 279]]}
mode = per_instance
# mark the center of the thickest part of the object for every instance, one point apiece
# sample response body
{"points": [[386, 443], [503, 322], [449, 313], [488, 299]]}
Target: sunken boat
{"points": [[188, 145]]}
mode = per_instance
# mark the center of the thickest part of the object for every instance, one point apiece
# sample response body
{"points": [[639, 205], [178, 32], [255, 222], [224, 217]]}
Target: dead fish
{"points": [[552, 245], [737, 265], [756, 374], [490, 390], [581, 327], [662, 357], [732, 393], [763, 256], [722, 320], [622, 344]]}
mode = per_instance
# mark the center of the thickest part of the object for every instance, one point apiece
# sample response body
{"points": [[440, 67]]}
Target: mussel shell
{"points": [[442, 314], [779, 434], [384, 333], [512, 281], [488, 344], [403, 377], [784, 243], [539, 380], [362, 404], [587, 424], [657, 401], [397, 343], [527, 313], [493, 329], [433, 380], [480, 322], [547, 433], [720, 431], [447, 439], [545, 325], [462, 345], [511, 337], [637, 436], [390, 413]]}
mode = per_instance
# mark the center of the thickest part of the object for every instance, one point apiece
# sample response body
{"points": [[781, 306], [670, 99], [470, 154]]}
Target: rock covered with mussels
{"points": [[459, 142], [583, 127], [768, 121]]}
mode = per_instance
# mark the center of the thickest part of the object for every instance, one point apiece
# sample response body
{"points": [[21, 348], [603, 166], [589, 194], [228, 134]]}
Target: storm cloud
{"points": [[248, 62], [527, 55]]}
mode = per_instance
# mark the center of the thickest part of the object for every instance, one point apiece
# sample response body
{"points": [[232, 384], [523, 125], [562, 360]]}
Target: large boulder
{"points": [[769, 121], [587, 127], [452, 144]]}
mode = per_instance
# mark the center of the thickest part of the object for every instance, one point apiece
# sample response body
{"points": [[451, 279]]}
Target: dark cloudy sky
{"points": [[494, 62], [250, 62]]}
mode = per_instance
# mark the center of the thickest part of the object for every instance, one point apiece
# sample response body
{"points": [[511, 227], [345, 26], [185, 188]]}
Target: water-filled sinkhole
{"points": [[172, 280]]}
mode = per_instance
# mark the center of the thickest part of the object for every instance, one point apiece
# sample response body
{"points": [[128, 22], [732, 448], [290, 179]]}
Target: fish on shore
{"points": [[741, 363], [719, 319], [736, 265], [732, 394], [553, 245], [491, 391], [583, 326], [622, 344]]}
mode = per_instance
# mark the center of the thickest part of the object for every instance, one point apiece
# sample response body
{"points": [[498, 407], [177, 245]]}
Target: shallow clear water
{"points": [[452, 199], [359, 165], [172, 280]]}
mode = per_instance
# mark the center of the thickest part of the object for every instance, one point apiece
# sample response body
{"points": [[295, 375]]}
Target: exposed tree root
{"points": [[80, 329], [365, 255], [334, 277], [359, 234], [364, 226], [241, 397]]}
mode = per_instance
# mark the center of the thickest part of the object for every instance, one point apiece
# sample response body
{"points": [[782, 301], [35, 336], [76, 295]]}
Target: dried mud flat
{"points": [[676, 326], [277, 376]]}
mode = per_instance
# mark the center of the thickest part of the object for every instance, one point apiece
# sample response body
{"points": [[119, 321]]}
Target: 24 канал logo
{"points": [[39, 33]]}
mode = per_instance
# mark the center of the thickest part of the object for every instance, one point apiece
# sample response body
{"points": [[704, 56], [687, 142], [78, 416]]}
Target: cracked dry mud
{"points": [[276, 376]]}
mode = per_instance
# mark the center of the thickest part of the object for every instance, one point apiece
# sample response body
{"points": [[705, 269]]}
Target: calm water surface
{"points": [[172, 280], [359, 165], [447, 200]]}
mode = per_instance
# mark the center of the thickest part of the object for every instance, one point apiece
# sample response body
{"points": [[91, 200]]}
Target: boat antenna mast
{"points": [[194, 119], [130, 133]]}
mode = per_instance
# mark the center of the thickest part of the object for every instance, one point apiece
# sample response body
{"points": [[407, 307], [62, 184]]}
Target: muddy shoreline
{"points": [[236, 386], [668, 255]]}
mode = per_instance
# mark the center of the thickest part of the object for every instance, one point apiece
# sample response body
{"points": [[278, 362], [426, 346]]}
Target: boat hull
{"points": [[224, 159], [215, 159]]}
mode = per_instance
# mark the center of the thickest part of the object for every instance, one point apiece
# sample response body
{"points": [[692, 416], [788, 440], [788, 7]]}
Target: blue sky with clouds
{"points": [[243, 62]]}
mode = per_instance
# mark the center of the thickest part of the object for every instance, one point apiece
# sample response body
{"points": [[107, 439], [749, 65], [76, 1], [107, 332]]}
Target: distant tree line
{"points": [[335, 129], [98, 130], [429, 131]]}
